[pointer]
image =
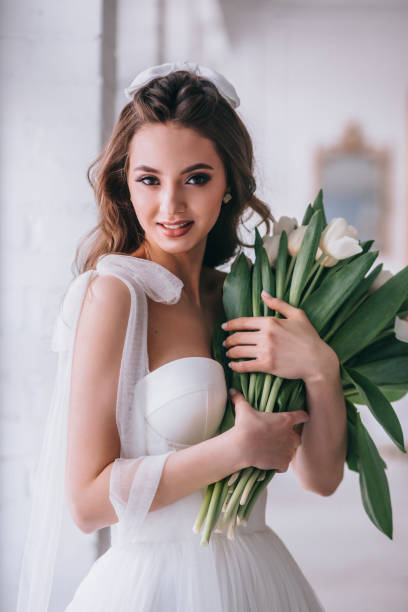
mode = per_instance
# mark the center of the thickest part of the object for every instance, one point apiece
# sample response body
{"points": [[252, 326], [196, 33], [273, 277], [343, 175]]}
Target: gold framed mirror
{"points": [[355, 179]]}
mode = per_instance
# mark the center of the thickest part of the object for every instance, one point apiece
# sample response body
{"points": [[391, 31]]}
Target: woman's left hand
{"points": [[289, 348]]}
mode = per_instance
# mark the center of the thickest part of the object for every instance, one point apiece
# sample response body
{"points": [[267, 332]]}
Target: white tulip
{"points": [[382, 278], [285, 223], [271, 246], [295, 240], [401, 328], [339, 240], [328, 262]]}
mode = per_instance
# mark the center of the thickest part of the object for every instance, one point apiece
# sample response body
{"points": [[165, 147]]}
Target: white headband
{"points": [[224, 87]]}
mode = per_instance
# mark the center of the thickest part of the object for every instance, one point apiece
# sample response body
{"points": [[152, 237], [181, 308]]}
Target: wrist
{"points": [[240, 449], [327, 368]]}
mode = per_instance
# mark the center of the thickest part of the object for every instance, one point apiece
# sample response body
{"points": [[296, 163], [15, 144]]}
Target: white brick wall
{"points": [[50, 100]]}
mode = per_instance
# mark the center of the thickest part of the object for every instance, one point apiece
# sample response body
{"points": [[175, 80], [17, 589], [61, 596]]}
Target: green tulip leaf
{"points": [[305, 259], [352, 445], [356, 298], [385, 371], [308, 214], [369, 319], [281, 265], [393, 393], [374, 487], [318, 205], [385, 348], [379, 406], [323, 303]]}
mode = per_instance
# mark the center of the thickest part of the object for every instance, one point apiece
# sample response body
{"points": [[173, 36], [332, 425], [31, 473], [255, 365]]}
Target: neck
{"points": [[188, 267]]}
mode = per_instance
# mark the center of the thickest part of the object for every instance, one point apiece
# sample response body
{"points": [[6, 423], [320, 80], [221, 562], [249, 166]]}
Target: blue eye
{"points": [[205, 178]]}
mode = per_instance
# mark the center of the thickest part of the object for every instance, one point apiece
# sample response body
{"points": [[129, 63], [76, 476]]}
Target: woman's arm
{"points": [[319, 460], [290, 347], [184, 472], [93, 438]]}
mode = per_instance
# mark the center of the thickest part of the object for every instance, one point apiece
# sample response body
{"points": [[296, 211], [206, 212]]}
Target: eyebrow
{"points": [[189, 169]]}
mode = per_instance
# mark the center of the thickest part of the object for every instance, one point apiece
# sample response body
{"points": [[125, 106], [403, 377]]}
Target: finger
{"points": [[299, 416], [235, 394], [281, 306], [239, 352], [243, 323], [251, 365], [247, 337]]}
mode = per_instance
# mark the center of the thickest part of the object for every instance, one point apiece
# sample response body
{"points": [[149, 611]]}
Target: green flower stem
{"points": [[233, 477], [243, 378], [228, 497], [289, 273], [265, 391], [245, 510], [235, 497], [273, 394], [248, 487], [231, 517], [312, 285], [315, 266], [212, 516], [251, 388], [203, 509], [223, 496]]}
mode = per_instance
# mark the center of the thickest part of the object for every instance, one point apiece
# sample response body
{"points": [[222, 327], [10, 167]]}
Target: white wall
{"points": [[50, 124]]}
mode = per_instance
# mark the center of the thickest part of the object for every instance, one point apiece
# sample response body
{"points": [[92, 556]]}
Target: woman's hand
{"points": [[267, 439], [289, 348]]}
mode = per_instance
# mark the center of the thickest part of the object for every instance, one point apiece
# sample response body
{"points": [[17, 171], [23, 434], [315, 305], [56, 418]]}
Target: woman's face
{"points": [[165, 192]]}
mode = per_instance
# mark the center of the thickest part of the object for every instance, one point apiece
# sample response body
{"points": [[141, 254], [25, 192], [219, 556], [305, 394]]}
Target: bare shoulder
{"points": [[108, 290]]}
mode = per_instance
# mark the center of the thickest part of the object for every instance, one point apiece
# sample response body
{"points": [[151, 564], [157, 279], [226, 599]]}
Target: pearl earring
{"points": [[227, 198]]}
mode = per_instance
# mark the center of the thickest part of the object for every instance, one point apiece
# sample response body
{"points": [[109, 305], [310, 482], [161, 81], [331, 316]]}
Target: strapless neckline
{"points": [[183, 401], [180, 359]]}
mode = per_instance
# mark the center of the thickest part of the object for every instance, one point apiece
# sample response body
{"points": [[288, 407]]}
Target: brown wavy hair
{"points": [[190, 101]]}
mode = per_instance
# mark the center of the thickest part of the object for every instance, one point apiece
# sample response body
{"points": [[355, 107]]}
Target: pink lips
{"points": [[174, 233]]}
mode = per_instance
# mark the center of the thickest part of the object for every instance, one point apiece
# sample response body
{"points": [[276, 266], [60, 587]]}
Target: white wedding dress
{"points": [[164, 568], [155, 562]]}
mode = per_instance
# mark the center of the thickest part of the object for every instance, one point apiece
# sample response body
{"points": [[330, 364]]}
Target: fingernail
{"points": [[266, 293], [223, 325], [233, 391]]}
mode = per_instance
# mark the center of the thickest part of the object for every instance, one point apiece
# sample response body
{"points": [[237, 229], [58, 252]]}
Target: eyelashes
{"points": [[205, 178]]}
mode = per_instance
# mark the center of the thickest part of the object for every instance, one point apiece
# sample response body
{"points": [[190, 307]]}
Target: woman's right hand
{"points": [[268, 440]]}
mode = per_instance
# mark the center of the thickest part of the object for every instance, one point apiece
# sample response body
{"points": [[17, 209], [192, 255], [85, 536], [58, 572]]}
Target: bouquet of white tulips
{"points": [[363, 315]]}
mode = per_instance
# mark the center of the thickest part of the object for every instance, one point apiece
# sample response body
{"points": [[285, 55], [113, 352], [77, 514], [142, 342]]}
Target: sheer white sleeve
{"points": [[135, 475]]}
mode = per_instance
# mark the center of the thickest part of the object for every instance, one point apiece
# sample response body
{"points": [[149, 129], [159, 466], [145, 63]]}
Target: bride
{"points": [[133, 430]]}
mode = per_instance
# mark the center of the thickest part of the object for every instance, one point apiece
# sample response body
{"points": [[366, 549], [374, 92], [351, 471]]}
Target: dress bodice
{"points": [[183, 402]]}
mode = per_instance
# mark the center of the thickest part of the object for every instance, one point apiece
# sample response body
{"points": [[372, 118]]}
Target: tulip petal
{"points": [[401, 329], [352, 232], [334, 230], [271, 246], [343, 247]]}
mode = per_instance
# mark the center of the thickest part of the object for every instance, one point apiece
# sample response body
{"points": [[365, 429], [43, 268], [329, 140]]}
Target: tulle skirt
{"points": [[165, 569]]}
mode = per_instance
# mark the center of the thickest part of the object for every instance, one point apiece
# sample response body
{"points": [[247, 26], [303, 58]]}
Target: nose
{"points": [[171, 201]]}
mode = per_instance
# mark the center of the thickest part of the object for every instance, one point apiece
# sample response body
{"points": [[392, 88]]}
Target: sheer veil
{"points": [[131, 489]]}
